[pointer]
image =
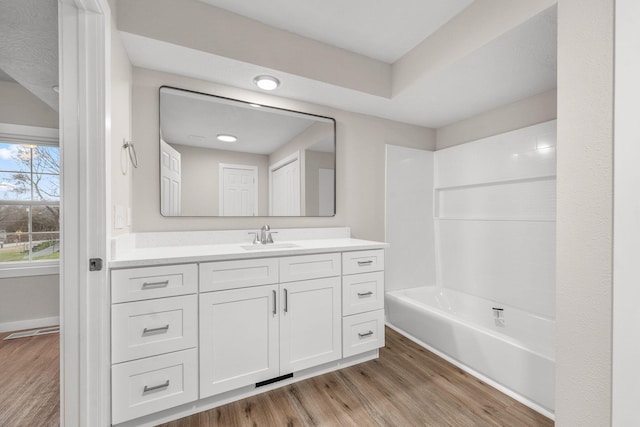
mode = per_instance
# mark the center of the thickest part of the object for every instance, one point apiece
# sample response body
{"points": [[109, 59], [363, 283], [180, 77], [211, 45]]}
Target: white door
{"points": [[310, 323], [326, 192], [238, 190], [238, 338], [285, 189], [171, 179]]}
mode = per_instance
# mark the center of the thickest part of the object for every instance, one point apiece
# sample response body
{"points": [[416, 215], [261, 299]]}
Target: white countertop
{"points": [[160, 255]]}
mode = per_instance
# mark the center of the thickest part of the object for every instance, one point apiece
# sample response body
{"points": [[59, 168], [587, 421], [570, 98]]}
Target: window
{"points": [[29, 199]]}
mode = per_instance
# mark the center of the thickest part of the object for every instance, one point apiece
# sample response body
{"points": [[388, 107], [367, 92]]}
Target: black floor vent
{"points": [[274, 380]]}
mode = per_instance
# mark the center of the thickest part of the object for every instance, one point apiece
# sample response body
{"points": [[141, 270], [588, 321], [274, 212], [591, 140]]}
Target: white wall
{"points": [[626, 275], [495, 208], [410, 259], [360, 161], [584, 213], [526, 112]]}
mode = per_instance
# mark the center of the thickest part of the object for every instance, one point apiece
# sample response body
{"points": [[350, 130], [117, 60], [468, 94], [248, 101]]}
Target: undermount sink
{"points": [[259, 247]]}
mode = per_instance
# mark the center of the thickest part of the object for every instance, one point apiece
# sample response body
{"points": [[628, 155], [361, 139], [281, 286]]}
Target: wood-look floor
{"points": [[30, 381], [406, 386]]}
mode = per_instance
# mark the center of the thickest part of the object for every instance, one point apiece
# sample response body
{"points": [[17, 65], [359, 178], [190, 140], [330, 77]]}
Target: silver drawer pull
{"points": [[365, 294], [366, 334], [365, 262], [156, 387], [161, 328], [155, 284]]}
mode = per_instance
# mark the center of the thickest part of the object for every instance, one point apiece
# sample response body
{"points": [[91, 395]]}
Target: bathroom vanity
{"points": [[198, 325]]}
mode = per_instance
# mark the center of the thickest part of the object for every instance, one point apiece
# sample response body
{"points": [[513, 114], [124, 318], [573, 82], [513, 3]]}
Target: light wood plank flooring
{"points": [[29, 381], [406, 386]]}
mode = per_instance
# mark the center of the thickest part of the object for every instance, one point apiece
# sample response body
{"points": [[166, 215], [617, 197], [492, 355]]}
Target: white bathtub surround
{"points": [[491, 307], [409, 205]]}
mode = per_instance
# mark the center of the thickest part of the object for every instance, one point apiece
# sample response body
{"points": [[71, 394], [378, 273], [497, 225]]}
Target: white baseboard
{"points": [[29, 324]]}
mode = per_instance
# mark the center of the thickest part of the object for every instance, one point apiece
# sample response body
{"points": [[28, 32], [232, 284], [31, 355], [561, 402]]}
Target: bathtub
{"points": [[508, 348]]}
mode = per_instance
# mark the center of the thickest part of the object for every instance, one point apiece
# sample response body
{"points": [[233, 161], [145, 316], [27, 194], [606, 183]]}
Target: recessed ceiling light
{"points": [[227, 138], [266, 82], [56, 89]]}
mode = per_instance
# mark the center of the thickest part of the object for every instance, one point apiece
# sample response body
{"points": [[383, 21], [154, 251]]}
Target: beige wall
{"points": [[18, 106], [30, 297], [584, 213], [200, 178], [313, 162], [121, 87], [526, 112], [360, 161]]}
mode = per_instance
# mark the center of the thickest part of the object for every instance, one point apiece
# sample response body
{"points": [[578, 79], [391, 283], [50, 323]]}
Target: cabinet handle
{"points": [[365, 294], [361, 263], [286, 301], [156, 387], [366, 334], [155, 284], [149, 330], [275, 308]]}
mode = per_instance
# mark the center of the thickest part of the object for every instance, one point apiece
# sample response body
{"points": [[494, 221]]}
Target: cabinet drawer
{"points": [[362, 292], [362, 261], [362, 332], [305, 267], [147, 328], [153, 384], [215, 276], [135, 284]]}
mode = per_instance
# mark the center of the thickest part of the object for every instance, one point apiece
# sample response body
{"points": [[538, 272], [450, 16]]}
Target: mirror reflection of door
{"points": [[326, 193], [238, 192], [285, 187], [171, 179]]}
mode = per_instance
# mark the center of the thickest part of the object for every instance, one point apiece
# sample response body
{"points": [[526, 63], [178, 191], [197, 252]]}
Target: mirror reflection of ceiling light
{"points": [[227, 138], [266, 82]]}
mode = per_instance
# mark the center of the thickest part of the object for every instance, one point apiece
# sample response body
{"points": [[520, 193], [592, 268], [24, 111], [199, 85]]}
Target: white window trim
{"points": [[19, 134], [43, 268]]}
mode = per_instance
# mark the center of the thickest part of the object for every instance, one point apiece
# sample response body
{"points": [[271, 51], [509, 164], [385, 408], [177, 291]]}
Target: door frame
{"points": [[84, 34], [221, 168]]}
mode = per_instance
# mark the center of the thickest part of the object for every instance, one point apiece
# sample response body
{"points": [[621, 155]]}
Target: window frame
{"points": [[34, 135]]}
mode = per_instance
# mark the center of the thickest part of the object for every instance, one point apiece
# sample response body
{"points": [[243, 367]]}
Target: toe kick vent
{"points": [[274, 380]]}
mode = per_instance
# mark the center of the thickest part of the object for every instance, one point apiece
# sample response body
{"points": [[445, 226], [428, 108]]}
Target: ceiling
{"points": [[193, 119], [383, 30], [516, 64], [29, 48]]}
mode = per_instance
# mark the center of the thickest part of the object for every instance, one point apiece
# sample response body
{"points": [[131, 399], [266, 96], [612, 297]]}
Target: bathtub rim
{"points": [[492, 383], [512, 341]]}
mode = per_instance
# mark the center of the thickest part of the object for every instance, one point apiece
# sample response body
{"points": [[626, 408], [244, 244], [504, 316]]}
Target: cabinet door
{"points": [[238, 338], [310, 329]]}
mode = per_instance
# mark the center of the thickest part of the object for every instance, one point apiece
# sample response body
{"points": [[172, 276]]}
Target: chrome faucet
{"points": [[265, 235]]}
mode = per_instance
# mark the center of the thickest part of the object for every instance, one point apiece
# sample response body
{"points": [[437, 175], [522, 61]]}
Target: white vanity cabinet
{"points": [[251, 334], [362, 301], [196, 332], [153, 339]]}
